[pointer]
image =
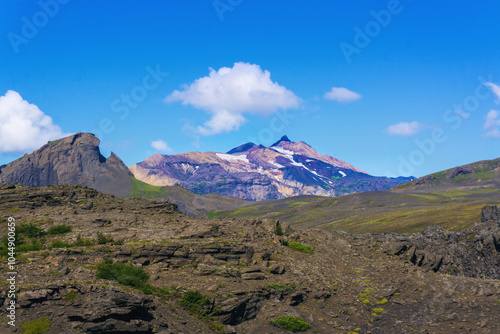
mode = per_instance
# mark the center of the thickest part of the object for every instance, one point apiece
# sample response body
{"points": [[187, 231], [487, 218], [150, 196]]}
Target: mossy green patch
{"points": [[291, 323], [300, 247], [124, 274], [39, 326]]}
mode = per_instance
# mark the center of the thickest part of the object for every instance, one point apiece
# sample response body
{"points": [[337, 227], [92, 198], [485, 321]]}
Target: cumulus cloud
{"points": [[495, 89], [228, 93], [161, 146], [341, 94], [492, 124], [23, 126], [404, 129]]}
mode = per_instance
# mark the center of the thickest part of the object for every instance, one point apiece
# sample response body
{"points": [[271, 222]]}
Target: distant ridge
{"points": [[478, 175]]}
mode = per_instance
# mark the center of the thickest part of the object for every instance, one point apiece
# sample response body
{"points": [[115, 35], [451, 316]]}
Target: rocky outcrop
{"points": [[474, 252], [238, 309], [457, 171], [92, 309], [74, 160], [77, 199], [179, 255], [490, 213]]}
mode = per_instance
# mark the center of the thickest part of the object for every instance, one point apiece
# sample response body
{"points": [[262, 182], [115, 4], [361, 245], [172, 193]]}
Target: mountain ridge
{"points": [[255, 172]]}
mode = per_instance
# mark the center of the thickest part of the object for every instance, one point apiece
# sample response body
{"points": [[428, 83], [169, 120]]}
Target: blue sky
{"points": [[413, 86]]}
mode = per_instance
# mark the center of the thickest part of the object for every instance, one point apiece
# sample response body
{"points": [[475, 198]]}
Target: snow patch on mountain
{"points": [[230, 157], [276, 164], [289, 154]]}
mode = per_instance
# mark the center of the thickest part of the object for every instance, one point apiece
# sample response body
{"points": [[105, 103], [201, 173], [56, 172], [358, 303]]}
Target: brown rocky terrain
{"points": [[249, 271]]}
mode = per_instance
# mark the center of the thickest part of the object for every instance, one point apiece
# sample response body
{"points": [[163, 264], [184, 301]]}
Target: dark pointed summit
{"points": [[242, 148], [284, 138]]}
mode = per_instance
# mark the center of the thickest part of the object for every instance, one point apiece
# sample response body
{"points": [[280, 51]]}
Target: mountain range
{"points": [[249, 171], [255, 172]]}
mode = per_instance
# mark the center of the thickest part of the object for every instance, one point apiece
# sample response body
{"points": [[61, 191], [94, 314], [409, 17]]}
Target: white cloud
{"points": [[228, 93], [404, 129], [492, 124], [342, 94], [495, 89], [23, 126], [161, 146]]}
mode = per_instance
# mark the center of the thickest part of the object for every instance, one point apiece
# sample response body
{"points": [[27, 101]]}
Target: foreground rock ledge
{"points": [[435, 281]]}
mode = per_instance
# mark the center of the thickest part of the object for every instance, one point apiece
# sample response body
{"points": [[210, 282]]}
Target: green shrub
{"points": [[166, 292], [70, 296], [21, 245], [82, 241], [300, 247], [291, 323], [32, 246], [217, 328], [36, 326], [30, 230], [279, 229], [194, 302], [125, 274], [103, 239], [59, 229], [284, 242], [58, 243], [280, 286]]}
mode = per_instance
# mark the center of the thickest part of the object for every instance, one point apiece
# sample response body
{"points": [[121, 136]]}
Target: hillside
{"points": [[255, 172], [93, 263], [481, 175], [372, 211], [449, 198], [188, 202]]}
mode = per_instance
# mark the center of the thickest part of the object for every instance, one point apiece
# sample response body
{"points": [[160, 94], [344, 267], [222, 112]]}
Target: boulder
{"points": [[490, 213], [253, 276]]}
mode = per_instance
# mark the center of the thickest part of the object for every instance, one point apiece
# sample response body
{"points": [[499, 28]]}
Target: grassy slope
{"points": [[188, 202], [374, 211], [145, 190], [486, 175]]}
